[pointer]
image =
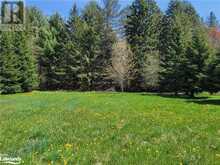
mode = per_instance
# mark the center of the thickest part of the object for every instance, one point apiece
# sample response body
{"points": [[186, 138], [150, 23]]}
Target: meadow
{"points": [[68, 128]]}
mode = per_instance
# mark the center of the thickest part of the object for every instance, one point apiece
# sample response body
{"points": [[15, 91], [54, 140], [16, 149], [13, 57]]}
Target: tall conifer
{"points": [[142, 29]]}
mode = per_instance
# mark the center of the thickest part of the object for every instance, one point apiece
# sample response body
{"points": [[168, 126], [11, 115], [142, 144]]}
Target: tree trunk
{"points": [[176, 93], [192, 94], [122, 86]]}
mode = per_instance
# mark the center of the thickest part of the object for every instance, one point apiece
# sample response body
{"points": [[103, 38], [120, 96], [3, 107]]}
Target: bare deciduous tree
{"points": [[121, 68], [151, 71]]}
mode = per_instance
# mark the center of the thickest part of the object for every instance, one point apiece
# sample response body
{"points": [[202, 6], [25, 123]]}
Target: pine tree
{"points": [[9, 65], [212, 81], [111, 12], [212, 20], [54, 61], [73, 48], [46, 44], [27, 63], [213, 30], [91, 69], [175, 37], [37, 31], [142, 31], [19, 70], [195, 62], [72, 20]]}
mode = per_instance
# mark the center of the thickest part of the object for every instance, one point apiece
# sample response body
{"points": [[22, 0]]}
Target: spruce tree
{"points": [[212, 81], [9, 65], [36, 27], [73, 48], [91, 69], [46, 43], [212, 20], [195, 62], [175, 37], [27, 63], [53, 61], [111, 12], [142, 31]]}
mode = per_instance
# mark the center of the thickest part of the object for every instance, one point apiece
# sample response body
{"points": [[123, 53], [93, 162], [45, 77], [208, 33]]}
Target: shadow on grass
{"points": [[206, 102], [172, 96], [202, 100]]}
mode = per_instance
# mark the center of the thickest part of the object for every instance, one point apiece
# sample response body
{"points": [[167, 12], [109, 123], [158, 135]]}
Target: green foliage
{"points": [[52, 60], [74, 55], [72, 52], [35, 45], [180, 45], [141, 30], [212, 81], [111, 12], [195, 62], [27, 63], [212, 20], [170, 51], [18, 67], [91, 46], [9, 68]]}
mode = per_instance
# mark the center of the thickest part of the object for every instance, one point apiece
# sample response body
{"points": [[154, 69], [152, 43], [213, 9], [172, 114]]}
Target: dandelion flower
{"points": [[68, 145]]}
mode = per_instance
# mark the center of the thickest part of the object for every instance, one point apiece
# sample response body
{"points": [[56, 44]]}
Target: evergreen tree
{"points": [[46, 45], [91, 56], [212, 81], [53, 61], [213, 31], [75, 26], [195, 62], [27, 63], [18, 71], [212, 20], [110, 11], [9, 65], [175, 38], [36, 27], [142, 31], [35, 22], [75, 54], [73, 17]]}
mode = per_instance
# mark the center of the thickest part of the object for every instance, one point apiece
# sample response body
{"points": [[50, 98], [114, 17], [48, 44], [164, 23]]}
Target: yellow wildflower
{"points": [[68, 145]]}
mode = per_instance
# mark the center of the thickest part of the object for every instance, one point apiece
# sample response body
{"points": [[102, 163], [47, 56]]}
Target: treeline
{"points": [[102, 47]]}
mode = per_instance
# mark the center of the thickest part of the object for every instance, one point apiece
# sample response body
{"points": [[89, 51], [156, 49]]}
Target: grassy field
{"points": [[110, 128]]}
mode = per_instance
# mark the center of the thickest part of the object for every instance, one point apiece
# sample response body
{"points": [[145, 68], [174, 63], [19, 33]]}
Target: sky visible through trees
{"points": [[204, 7]]}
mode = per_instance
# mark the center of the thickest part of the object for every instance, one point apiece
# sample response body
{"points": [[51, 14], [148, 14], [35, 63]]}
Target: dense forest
{"points": [[104, 47]]}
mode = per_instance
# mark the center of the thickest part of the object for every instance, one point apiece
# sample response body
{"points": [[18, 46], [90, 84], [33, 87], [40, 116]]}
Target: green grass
{"points": [[110, 128]]}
